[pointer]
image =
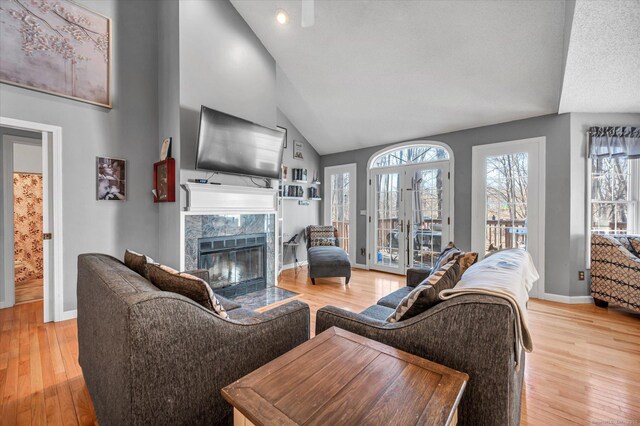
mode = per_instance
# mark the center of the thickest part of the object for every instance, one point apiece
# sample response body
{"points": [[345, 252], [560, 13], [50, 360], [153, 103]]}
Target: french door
{"points": [[340, 205], [409, 215], [508, 200]]}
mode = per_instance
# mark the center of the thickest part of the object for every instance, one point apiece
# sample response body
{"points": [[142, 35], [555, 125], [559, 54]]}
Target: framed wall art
{"points": [[111, 179], [57, 47]]}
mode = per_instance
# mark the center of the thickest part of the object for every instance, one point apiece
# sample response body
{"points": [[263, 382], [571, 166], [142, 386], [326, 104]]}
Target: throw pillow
{"points": [[325, 241], [168, 279], [449, 253], [466, 259], [426, 294], [137, 262]]}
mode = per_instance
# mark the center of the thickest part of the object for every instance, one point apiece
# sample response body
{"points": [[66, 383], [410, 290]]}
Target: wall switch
{"points": [[581, 275]]}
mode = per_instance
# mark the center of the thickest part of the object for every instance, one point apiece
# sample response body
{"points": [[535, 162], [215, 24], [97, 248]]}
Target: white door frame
{"points": [[52, 217], [536, 148], [416, 142], [352, 169]]}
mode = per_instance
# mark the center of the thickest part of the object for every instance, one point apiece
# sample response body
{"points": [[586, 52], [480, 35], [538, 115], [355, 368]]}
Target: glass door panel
{"points": [[507, 185], [429, 215], [388, 233], [340, 203]]}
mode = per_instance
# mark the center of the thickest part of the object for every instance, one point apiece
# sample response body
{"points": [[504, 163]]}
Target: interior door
{"points": [[508, 200]]}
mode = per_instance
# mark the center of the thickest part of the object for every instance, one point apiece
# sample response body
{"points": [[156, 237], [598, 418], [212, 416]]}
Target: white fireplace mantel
{"points": [[230, 199]]}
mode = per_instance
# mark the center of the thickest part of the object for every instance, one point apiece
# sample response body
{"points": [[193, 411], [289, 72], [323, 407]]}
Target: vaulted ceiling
{"points": [[373, 71]]}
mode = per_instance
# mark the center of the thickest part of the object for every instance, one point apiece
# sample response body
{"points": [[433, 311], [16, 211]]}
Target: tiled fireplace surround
{"points": [[229, 211]]}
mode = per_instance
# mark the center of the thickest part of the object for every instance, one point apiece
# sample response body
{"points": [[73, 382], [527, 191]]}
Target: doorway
{"points": [[27, 216], [508, 200], [30, 174], [410, 206]]}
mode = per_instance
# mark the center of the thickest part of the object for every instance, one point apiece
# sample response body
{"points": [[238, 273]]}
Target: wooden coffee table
{"points": [[341, 378]]}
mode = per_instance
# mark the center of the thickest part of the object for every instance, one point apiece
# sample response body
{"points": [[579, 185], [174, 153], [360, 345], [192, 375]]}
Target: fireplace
{"points": [[237, 264]]}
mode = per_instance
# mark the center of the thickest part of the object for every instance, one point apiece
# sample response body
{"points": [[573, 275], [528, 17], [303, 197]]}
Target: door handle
{"points": [[408, 243]]}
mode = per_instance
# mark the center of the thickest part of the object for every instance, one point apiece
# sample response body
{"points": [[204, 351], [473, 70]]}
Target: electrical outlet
{"points": [[581, 275]]}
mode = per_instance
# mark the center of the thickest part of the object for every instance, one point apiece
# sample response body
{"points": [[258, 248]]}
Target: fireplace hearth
{"points": [[237, 264]]}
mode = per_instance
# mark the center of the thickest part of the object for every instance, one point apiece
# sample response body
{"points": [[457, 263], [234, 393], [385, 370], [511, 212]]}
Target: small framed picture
{"points": [[111, 179], [297, 150]]}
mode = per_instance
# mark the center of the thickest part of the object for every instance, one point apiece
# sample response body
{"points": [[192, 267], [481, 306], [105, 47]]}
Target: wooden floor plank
{"points": [[585, 366]]}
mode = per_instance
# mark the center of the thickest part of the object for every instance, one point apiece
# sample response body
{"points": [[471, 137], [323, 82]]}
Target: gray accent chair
{"points": [[153, 357], [474, 334], [327, 261]]}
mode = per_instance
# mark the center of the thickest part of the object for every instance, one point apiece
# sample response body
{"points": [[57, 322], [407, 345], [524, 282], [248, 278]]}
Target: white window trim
{"points": [[634, 203]]}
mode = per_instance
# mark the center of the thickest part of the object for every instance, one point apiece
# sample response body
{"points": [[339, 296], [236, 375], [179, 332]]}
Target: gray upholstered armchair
{"points": [[325, 257], [153, 357], [615, 270]]}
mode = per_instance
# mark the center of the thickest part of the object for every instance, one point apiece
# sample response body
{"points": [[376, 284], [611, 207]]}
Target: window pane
{"points": [[411, 155]]}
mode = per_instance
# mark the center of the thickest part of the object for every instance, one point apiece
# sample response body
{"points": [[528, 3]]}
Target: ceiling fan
{"points": [[308, 13]]}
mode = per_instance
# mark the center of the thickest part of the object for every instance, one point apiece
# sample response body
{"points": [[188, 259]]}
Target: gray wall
{"points": [[129, 131], [565, 216], [296, 217], [237, 75], [580, 123], [209, 56], [556, 130]]}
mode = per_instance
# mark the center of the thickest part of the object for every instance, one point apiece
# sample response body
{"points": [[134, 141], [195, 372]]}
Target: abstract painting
{"points": [[57, 47]]}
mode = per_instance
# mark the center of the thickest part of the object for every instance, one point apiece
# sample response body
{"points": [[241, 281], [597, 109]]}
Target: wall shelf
{"points": [[315, 199], [293, 198]]}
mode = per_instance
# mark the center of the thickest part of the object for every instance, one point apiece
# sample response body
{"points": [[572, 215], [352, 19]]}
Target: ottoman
{"points": [[328, 261]]}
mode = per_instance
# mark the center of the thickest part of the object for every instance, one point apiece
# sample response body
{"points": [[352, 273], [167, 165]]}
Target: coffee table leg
{"points": [[239, 419]]}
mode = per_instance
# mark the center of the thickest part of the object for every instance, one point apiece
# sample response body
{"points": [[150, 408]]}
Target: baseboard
{"points": [[570, 300], [67, 315], [360, 266], [293, 265]]}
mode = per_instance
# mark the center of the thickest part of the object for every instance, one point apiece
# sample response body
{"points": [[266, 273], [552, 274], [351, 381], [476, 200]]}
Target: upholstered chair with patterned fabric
{"points": [[324, 256], [615, 270]]}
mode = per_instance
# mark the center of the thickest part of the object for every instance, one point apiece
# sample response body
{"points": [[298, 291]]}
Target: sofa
{"points": [[615, 270], [474, 334], [153, 357]]}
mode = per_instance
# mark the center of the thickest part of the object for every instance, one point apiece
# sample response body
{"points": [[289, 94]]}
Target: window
{"points": [[411, 155], [615, 193]]}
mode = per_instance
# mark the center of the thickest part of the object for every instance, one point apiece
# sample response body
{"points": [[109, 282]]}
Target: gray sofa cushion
{"points": [[393, 300], [377, 312], [328, 262]]}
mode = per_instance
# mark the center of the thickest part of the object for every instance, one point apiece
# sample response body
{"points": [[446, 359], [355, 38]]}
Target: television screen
{"points": [[229, 144]]}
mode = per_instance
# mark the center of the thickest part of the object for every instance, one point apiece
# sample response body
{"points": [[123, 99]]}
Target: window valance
{"points": [[614, 142]]}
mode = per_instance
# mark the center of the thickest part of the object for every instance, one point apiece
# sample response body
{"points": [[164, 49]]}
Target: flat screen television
{"points": [[229, 144]]}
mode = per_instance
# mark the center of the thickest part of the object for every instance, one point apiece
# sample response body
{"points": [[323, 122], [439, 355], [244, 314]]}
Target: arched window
{"points": [[410, 155]]}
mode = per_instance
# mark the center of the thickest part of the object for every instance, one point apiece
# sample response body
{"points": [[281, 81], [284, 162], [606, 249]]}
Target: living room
{"points": [[388, 129]]}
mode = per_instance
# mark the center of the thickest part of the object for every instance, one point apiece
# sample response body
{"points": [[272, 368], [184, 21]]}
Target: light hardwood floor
{"points": [[29, 291], [585, 367]]}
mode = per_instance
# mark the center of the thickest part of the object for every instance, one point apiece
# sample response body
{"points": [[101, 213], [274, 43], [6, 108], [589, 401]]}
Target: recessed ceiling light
{"points": [[282, 17]]}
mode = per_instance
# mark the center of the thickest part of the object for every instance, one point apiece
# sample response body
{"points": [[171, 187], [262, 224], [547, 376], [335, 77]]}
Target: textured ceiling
{"points": [[602, 72], [373, 72]]}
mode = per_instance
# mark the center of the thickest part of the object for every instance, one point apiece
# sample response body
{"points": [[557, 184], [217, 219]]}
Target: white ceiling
{"points": [[373, 71], [602, 73]]}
